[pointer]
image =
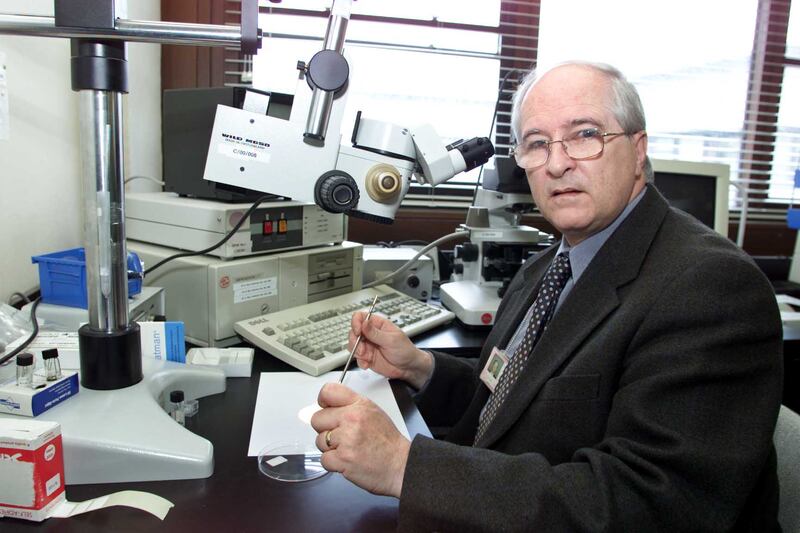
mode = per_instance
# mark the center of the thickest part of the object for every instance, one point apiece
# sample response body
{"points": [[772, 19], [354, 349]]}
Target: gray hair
{"points": [[626, 105]]}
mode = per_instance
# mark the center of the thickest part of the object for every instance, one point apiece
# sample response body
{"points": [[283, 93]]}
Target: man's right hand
{"points": [[388, 351]]}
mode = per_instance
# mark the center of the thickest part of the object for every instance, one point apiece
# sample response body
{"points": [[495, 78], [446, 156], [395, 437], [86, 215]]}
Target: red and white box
{"points": [[31, 468]]}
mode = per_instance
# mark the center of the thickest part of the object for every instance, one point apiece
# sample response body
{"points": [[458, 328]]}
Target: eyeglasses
{"points": [[582, 144]]}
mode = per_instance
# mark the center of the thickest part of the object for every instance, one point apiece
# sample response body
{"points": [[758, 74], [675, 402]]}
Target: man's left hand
{"points": [[359, 440]]}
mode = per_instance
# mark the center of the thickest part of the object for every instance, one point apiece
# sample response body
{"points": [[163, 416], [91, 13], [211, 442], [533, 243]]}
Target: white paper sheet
{"points": [[283, 395]]}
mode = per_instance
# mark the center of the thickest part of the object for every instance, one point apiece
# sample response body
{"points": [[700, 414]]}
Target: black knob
{"points": [[336, 192], [328, 70], [467, 252], [412, 281], [458, 268]]}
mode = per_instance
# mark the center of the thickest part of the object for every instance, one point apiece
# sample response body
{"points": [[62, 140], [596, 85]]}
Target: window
{"points": [[786, 157], [691, 70], [787, 146]]}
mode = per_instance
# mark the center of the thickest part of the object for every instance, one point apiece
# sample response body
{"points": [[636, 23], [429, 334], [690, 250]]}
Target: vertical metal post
{"points": [[319, 111], [110, 348], [104, 225]]}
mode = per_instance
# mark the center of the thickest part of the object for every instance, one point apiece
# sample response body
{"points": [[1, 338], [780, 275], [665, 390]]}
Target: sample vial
{"points": [[25, 370], [176, 407], [52, 365]]}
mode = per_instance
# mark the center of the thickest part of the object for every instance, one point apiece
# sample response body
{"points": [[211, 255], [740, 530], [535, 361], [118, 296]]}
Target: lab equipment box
{"points": [[145, 306], [417, 281], [209, 294], [167, 219]]}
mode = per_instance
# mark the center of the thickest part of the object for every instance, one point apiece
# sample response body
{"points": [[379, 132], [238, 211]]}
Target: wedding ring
{"points": [[328, 438]]}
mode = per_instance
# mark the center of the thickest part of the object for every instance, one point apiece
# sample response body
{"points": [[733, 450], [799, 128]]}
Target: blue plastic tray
{"points": [[62, 277]]}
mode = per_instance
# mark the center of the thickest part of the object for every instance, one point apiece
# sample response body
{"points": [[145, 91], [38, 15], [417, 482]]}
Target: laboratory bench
{"points": [[239, 498]]}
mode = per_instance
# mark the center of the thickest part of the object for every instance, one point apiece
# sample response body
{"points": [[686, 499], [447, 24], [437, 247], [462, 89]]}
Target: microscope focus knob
{"points": [[383, 183], [336, 192], [328, 70], [467, 252]]}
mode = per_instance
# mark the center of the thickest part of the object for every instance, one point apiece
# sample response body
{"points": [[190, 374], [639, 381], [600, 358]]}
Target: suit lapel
{"points": [[592, 298]]}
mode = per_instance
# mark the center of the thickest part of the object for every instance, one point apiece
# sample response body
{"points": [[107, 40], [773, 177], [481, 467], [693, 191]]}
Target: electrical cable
{"points": [[411, 262], [32, 336], [154, 180], [411, 242], [22, 297], [393, 244], [491, 128], [225, 239]]}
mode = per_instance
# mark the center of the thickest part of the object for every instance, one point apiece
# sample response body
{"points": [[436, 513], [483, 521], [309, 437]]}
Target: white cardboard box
{"points": [[235, 362], [31, 467], [27, 401]]}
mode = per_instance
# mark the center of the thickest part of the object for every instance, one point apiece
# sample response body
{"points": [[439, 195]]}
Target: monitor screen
{"points": [[700, 189]]}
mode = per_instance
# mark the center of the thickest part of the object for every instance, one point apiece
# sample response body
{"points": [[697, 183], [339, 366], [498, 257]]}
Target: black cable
{"points": [[22, 297], [393, 244], [225, 239], [491, 128], [25, 344]]}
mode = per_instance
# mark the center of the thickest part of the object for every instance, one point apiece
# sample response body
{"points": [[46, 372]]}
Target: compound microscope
{"points": [[498, 245]]}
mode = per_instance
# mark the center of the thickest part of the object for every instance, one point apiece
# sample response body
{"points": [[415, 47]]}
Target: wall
{"points": [[40, 183]]}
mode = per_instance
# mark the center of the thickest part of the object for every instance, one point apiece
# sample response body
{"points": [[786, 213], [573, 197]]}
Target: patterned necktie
{"points": [[543, 308]]}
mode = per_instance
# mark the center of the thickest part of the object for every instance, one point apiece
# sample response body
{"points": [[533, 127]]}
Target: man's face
{"points": [[580, 198]]}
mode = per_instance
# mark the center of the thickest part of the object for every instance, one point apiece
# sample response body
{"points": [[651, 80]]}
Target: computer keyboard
{"points": [[313, 337]]}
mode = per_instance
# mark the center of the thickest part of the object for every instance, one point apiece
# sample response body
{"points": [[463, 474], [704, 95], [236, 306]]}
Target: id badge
{"points": [[495, 365]]}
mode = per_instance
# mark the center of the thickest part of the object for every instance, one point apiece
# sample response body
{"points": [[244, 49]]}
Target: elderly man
{"points": [[643, 368]]}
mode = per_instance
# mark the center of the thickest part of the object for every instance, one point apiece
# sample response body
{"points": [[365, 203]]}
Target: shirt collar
{"points": [[582, 253]]}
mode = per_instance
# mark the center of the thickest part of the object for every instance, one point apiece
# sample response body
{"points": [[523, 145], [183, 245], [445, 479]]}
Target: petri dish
{"points": [[291, 462]]}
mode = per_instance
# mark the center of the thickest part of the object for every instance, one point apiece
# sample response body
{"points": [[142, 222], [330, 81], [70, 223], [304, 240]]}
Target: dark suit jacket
{"points": [[648, 404]]}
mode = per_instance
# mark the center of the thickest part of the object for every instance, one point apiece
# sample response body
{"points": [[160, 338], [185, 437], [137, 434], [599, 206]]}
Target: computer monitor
{"points": [[700, 189]]}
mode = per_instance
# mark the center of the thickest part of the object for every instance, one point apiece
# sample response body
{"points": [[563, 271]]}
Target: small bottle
{"points": [[25, 370], [176, 407], [52, 365]]}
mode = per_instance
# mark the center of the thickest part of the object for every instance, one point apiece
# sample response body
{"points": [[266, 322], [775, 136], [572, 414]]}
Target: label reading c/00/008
{"points": [[244, 153]]}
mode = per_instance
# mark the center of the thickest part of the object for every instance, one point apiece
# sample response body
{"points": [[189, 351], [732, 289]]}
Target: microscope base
{"points": [[473, 304], [125, 435]]}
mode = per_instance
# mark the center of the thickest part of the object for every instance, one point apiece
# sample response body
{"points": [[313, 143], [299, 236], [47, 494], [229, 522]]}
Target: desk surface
{"points": [[237, 497]]}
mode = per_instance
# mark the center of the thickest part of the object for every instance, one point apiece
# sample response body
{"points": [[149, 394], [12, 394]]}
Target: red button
{"points": [[486, 318]]}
